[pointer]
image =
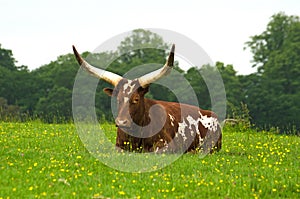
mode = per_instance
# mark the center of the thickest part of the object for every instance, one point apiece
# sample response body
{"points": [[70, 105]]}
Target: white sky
{"points": [[38, 31]]}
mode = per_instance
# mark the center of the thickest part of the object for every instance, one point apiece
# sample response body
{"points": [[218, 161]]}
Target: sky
{"points": [[39, 31]]}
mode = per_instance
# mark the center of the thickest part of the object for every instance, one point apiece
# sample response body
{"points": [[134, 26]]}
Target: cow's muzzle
{"points": [[122, 123]]}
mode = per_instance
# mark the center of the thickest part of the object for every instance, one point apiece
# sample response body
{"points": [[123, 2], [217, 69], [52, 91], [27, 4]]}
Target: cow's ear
{"points": [[108, 91]]}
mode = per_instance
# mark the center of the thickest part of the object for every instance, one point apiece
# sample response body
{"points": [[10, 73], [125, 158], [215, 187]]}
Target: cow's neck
{"points": [[147, 105]]}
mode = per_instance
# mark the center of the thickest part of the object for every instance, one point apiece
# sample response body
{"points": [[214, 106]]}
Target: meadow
{"points": [[40, 160]]}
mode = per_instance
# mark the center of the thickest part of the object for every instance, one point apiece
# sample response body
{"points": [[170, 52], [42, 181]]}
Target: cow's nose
{"points": [[122, 122]]}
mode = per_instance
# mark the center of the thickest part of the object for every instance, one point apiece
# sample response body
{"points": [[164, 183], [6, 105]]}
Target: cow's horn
{"points": [[107, 76], [157, 74]]}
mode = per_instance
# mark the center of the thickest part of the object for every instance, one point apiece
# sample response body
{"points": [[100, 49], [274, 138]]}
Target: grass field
{"points": [[49, 161]]}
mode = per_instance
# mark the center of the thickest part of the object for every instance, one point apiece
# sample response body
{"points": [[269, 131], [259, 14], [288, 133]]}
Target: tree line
{"points": [[270, 97]]}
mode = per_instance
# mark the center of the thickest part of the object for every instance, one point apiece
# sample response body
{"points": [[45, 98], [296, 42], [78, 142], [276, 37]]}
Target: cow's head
{"points": [[129, 93]]}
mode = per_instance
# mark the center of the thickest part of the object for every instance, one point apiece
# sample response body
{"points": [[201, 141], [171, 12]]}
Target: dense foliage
{"points": [[274, 91], [271, 95]]}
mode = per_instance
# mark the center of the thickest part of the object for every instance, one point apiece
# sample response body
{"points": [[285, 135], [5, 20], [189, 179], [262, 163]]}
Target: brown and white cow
{"points": [[146, 125]]}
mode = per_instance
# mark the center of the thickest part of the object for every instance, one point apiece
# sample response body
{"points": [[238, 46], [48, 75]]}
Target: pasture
{"points": [[49, 161]]}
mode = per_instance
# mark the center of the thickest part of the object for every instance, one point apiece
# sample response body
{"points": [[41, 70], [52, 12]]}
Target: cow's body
{"points": [[146, 125], [184, 129]]}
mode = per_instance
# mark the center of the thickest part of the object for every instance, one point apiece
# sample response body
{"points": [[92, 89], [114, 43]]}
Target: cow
{"points": [[146, 125]]}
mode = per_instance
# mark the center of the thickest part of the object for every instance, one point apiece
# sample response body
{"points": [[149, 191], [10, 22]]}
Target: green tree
{"points": [[233, 87], [8, 112], [56, 106], [54, 82], [206, 76], [276, 53], [139, 48], [199, 86], [6, 59], [16, 83]]}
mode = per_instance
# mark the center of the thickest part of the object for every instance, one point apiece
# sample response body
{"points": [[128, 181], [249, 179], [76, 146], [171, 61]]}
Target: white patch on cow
{"points": [[201, 140], [131, 88], [193, 122], [125, 86], [126, 99], [130, 85], [165, 143], [172, 119], [165, 146], [211, 123], [192, 133], [172, 123], [176, 135], [181, 127]]}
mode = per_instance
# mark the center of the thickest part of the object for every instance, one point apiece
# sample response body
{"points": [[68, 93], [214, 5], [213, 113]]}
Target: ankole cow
{"points": [[146, 125]]}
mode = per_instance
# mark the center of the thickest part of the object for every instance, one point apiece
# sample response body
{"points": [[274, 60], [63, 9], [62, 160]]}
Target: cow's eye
{"points": [[135, 100]]}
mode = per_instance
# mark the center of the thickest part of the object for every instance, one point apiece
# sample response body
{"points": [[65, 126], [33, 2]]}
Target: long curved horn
{"points": [[157, 74], [107, 76]]}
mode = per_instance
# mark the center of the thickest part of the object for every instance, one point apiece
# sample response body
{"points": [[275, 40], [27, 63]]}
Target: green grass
{"points": [[49, 161]]}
